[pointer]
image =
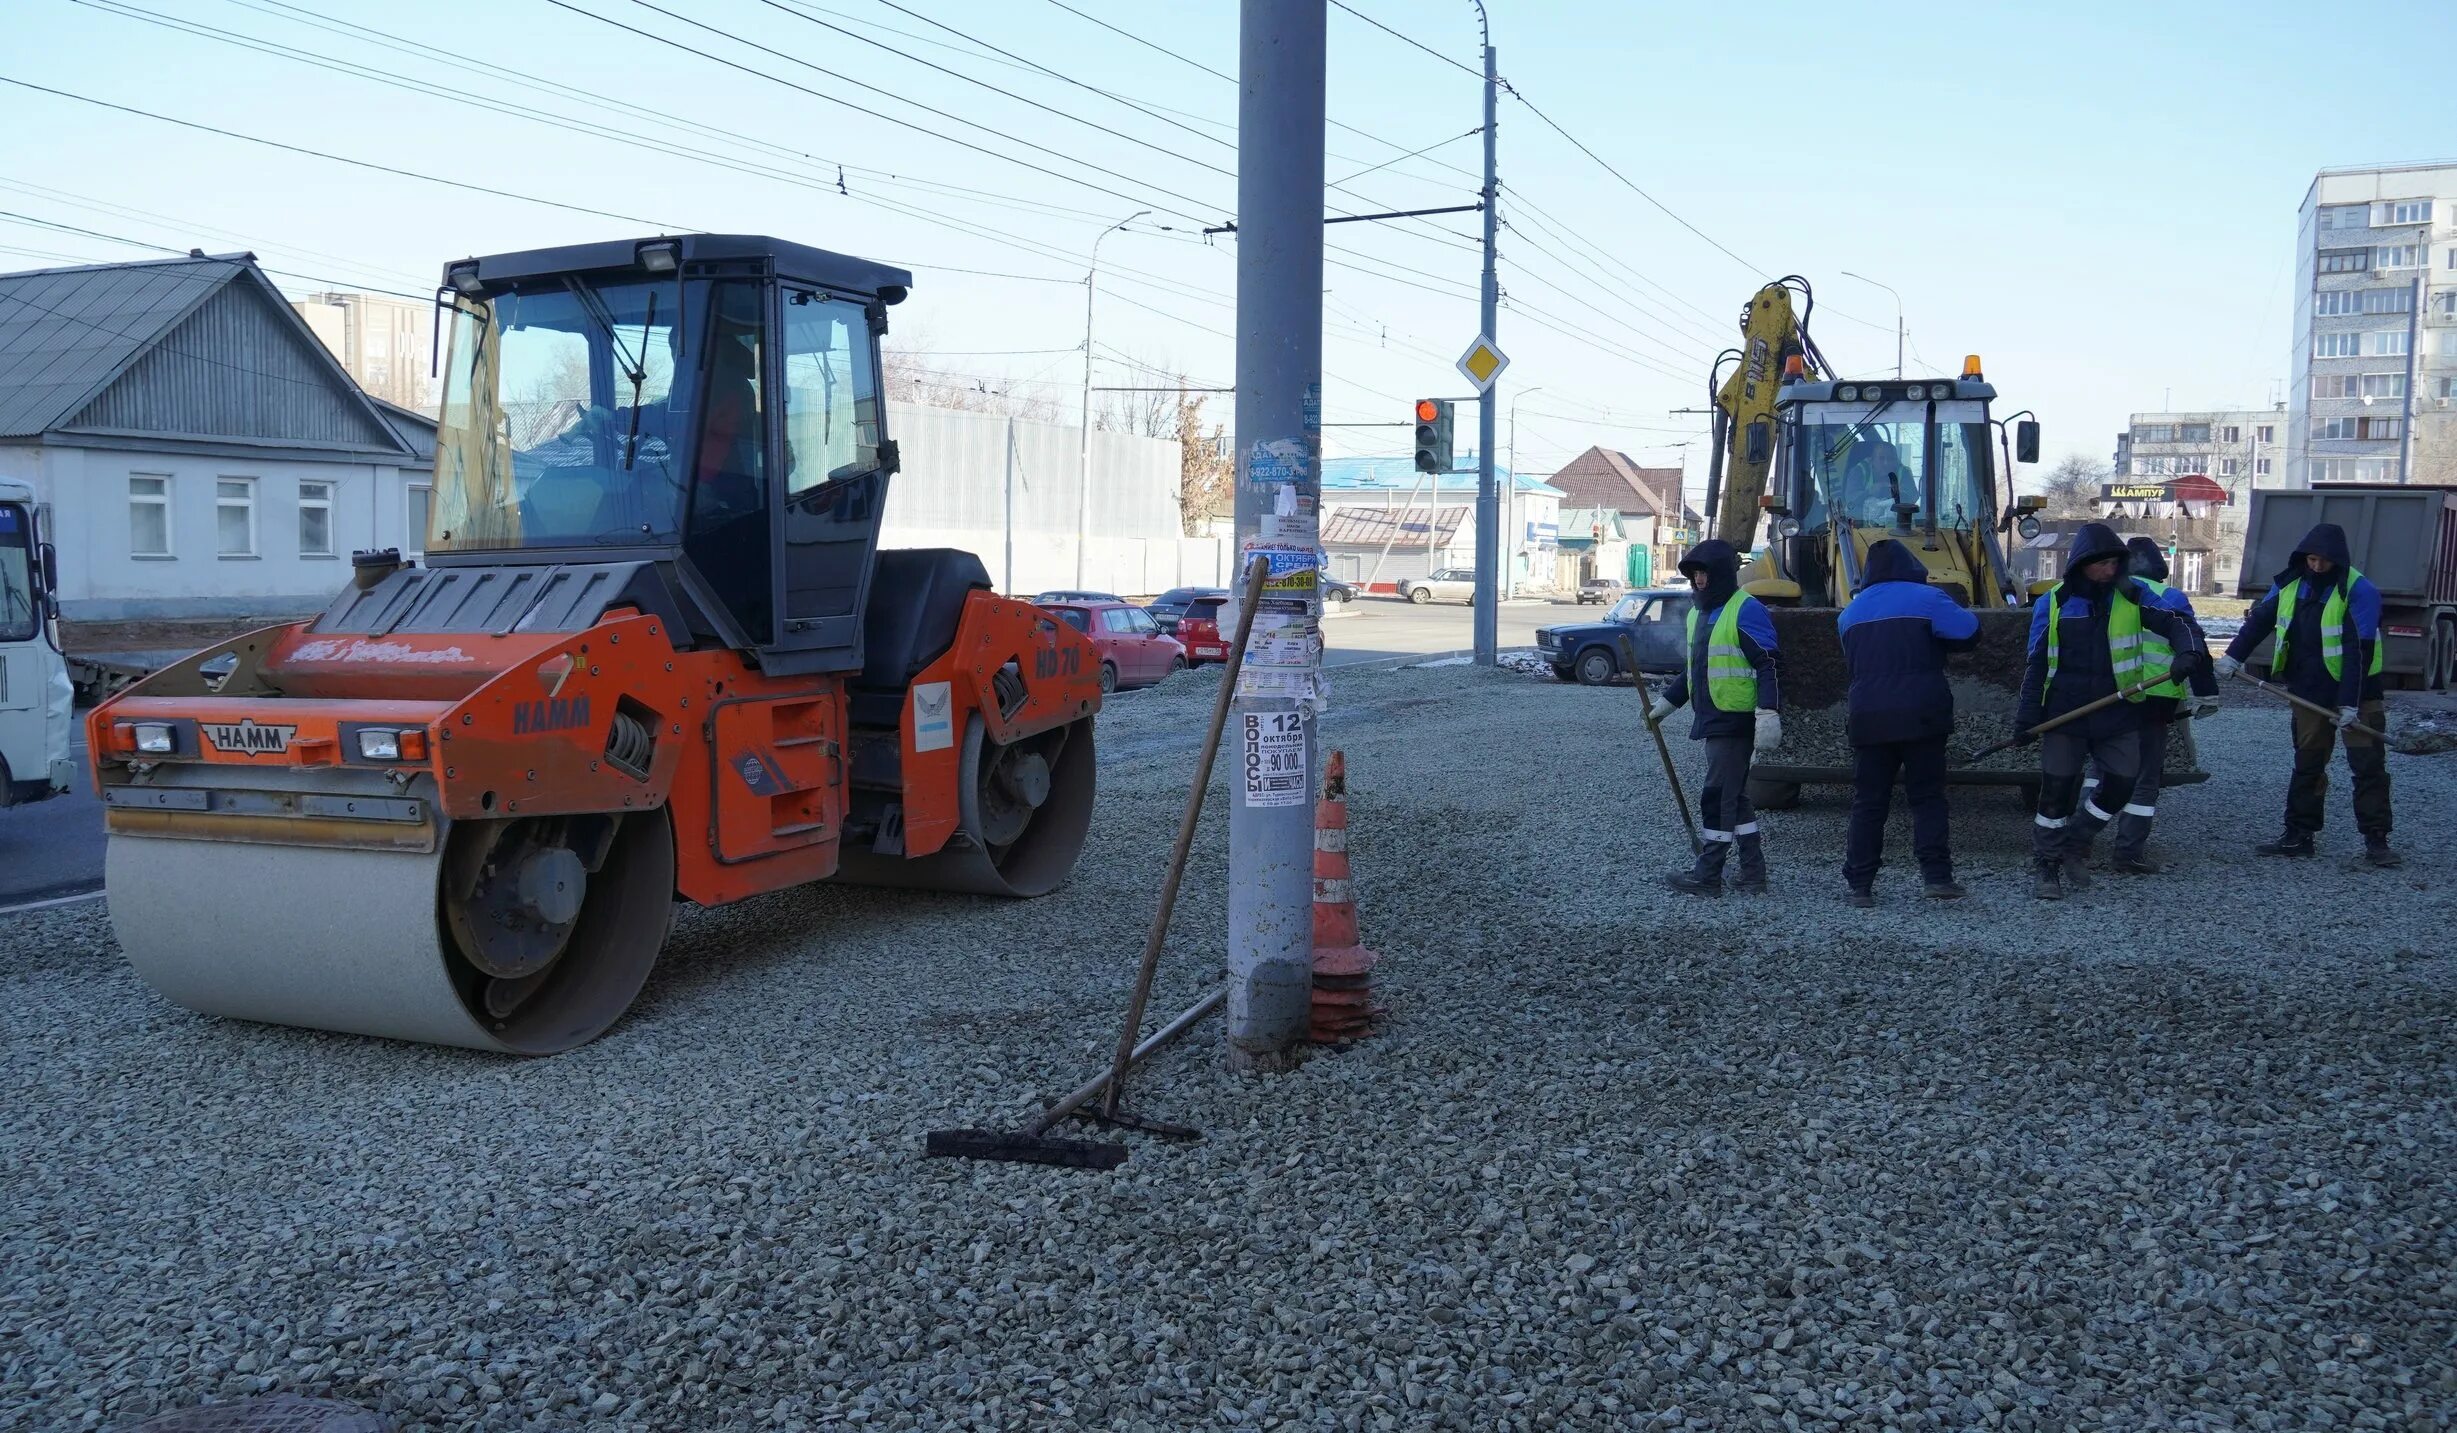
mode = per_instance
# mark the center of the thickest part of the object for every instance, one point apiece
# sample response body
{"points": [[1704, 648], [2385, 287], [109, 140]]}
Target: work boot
{"points": [[1860, 899], [1948, 889], [2376, 851], [1706, 877], [2291, 842], [1752, 877], [2077, 870], [2050, 885], [2133, 864]]}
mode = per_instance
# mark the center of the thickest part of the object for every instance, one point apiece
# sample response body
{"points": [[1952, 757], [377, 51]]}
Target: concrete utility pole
{"points": [[1511, 588], [1083, 445], [1488, 505], [2414, 378], [1279, 489]]}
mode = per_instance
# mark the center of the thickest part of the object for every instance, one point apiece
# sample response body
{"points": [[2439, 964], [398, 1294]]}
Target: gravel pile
{"points": [[2174, 1154]]}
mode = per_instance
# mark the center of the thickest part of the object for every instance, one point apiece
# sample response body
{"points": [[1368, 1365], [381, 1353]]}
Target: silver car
{"points": [[1450, 584]]}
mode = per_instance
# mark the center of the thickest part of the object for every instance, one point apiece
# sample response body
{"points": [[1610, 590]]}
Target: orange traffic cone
{"points": [[1344, 1006]]}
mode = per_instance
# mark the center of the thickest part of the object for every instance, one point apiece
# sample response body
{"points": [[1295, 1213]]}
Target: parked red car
{"points": [[1198, 631], [1134, 651]]}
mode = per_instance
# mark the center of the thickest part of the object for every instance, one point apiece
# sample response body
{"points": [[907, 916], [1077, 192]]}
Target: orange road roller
{"points": [[653, 652]]}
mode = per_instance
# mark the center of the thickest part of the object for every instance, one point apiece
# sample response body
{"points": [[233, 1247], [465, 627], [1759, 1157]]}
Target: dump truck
{"points": [[2403, 538], [1833, 466], [654, 654]]}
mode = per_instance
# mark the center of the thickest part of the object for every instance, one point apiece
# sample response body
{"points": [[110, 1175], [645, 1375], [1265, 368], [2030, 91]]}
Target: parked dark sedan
{"points": [[1654, 621], [1171, 605]]}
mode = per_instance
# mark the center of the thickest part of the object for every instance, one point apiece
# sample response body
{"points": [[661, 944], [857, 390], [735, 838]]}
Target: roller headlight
{"points": [[154, 739], [376, 744]]}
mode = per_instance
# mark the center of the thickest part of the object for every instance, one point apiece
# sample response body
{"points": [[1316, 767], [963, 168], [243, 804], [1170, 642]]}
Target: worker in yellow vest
{"points": [[2157, 711], [2087, 642], [1729, 681], [2326, 615]]}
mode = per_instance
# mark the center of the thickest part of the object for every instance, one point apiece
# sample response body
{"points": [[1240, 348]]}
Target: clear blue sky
{"points": [[2098, 197]]}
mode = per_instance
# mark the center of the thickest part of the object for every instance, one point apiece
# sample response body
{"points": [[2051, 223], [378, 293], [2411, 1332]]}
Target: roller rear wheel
{"points": [[1025, 807]]}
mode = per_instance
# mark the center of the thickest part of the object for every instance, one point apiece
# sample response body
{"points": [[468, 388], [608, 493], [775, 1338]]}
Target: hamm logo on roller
{"points": [[250, 737], [531, 718]]}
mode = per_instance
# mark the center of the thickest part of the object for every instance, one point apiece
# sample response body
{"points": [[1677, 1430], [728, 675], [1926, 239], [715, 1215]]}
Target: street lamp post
{"points": [[1083, 465], [1898, 328], [1510, 581]]}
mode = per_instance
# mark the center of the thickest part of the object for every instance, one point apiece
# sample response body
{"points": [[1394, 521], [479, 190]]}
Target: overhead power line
{"points": [[170, 249], [1407, 39], [655, 224], [1632, 185]]}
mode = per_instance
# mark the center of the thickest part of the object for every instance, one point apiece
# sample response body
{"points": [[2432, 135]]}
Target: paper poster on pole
{"points": [[1275, 759]]}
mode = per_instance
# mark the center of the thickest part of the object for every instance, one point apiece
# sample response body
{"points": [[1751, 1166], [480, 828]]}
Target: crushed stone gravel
{"points": [[2173, 1154]]}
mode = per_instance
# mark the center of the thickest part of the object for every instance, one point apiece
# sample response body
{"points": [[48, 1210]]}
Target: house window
{"points": [[2385, 343], [2336, 385], [2374, 430], [149, 515], [2354, 470], [2155, 433], [418, 503], [315, 519], [2260, 468], [2346, 216], [2448, 389], [2192, 432], [2230, 435], [2384, 385], [2228, 467], [2333, 303], [2445, 302], [2388, 300], [2337, 345], [2265, 434], [2345, 261], [2407, 211], [2398, 256], [2448, 345], [234, 516], [2333, 427]]}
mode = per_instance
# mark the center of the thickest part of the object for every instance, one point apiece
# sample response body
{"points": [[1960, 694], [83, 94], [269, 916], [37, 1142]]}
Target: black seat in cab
{"points": [[917, 597]]}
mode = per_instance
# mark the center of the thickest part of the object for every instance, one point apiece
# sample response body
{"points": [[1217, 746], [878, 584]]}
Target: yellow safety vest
{"points": [[2157, 655], [2333, 628], [2125, 649], [1731, 683]]}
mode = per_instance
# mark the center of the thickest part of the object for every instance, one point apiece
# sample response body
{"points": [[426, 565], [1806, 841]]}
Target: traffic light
{"points": [[1433, 451]]}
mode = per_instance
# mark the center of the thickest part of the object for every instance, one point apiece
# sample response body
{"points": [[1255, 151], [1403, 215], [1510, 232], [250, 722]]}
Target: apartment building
{"points": [[2187, 479], [2374, 392], [386, 343]]}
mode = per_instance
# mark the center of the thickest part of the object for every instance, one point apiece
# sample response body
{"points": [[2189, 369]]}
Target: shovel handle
{"points": [[2313, 707]]}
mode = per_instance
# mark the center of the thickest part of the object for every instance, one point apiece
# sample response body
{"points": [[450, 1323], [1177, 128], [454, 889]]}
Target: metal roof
{"points": [[1403, 527], [793, 261], [66, 333]]}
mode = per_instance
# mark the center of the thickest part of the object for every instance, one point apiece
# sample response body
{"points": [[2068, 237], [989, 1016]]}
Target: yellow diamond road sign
{"points": [[1482, 363]]}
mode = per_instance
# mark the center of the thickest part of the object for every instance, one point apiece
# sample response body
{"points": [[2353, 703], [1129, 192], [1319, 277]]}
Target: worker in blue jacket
{"points": [[2147, 563], [2326, 615], [1896, 633], [2090, 638], [1730, 676]]}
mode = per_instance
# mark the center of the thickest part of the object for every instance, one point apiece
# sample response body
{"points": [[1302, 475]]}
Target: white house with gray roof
{"points": [[199, 451]]}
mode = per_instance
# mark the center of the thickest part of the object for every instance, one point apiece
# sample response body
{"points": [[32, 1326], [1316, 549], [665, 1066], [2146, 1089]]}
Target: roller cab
{"points": [[654, 652]]}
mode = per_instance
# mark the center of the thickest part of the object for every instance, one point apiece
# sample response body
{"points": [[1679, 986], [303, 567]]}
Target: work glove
{"points": [[2023, 721], [2348, 716], [1659, 709], [2206, 706], [2226, 668], [1769, 731]]}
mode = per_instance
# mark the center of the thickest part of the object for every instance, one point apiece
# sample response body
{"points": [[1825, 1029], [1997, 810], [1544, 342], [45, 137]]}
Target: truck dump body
{"points": [[2404, 539], [1986, 682]]}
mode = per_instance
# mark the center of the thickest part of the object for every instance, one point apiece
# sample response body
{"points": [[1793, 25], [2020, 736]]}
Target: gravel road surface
{"points": [[2174, 1154]]}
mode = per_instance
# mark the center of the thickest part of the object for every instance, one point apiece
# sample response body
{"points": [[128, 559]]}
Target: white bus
{"points": [[35, 716]]}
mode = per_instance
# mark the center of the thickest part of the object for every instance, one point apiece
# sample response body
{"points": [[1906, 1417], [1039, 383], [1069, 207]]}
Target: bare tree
{"points": [[908, 373], [1206, 472], [2072, 486]]}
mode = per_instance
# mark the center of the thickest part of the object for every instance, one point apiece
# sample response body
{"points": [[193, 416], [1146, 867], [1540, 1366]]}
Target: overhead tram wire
{"points": [[1408, 39], [838, 100], [1686, 328], [656, 224], [1566, 234], [1627, 182]]}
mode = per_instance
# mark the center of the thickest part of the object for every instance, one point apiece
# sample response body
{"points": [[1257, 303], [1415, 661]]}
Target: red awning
{"points": [[2195, 488]]}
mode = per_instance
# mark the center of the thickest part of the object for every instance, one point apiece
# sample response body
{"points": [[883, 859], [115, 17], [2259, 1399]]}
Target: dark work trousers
{"points": [[1922, 766], [1723, 803], [2133, 822], [2307, 791], [2068, 822]]}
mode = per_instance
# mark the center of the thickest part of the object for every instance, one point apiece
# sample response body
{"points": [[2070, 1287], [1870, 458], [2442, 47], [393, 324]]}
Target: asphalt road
{"points": [[52, 848]]}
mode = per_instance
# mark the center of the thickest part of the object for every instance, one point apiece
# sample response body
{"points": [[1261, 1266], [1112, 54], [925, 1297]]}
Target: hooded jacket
{"points": [[2305, 675], [2085, 668], [1896, 633], [2146, 559], [1721, 564]]}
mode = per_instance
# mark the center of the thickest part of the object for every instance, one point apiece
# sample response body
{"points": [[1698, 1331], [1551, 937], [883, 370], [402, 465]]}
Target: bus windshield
{"points": [[20, 612], [1861, 463], [563, 423]]}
